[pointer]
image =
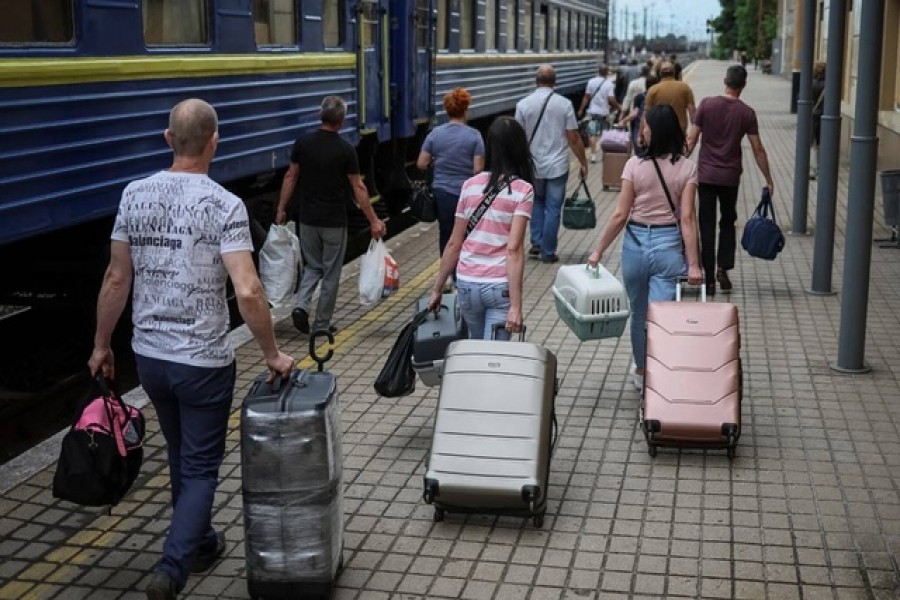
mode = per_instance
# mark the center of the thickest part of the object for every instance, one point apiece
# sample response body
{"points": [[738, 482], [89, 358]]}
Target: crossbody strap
{"points": [[486, 202], [540, 116], [665, 187]]}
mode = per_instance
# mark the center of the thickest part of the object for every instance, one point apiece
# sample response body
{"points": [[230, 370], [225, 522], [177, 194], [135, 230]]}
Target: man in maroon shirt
{"points": [[723, 121]]}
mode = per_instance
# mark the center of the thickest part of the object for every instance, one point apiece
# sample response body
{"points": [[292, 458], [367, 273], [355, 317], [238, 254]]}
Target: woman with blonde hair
{"points": [[456, 152]]}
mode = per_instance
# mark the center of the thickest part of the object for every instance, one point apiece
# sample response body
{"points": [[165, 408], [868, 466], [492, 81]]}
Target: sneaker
{"points": [[594, 158], [206, 559], [160, 587], [301, 320], [724, 281], [638, 382], [550, 259], [534, 251]]}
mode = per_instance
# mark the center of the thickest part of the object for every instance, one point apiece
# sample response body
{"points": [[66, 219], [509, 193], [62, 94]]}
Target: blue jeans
{"points": [[482, 305], [446, 214], [548, 200], [650, 271], [193, 404]]}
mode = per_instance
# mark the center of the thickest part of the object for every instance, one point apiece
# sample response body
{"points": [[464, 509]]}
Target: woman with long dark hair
{"points": [[661, 227], [490, 259]]}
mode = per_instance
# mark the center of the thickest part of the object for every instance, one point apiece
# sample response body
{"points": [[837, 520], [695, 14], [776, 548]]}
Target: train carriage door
{"points": [[412, 60], [373, 66], [426, 55]]}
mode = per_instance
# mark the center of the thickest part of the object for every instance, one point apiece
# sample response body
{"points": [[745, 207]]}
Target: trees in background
{"points": [[747, 26]]}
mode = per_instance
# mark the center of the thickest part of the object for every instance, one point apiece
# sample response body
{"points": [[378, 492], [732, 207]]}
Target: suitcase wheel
{"points": [[732, 449], [651, 449], [538, 521], [605, 188], [439, 515]]}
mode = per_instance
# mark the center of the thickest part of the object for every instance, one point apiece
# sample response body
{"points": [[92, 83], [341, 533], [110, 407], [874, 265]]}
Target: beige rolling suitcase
{"points": [[494, 430], [613, 165]]}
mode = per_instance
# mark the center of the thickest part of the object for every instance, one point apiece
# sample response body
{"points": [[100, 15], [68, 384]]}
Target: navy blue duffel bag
{"points": [[762, 237]]}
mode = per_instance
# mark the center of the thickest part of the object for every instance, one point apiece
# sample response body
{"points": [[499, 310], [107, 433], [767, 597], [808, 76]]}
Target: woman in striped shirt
{"points": [[490, 260]]}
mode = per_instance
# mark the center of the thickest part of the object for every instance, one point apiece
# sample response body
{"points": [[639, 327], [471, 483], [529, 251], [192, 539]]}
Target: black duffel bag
{"points": [[397, 377], [422, 203]]}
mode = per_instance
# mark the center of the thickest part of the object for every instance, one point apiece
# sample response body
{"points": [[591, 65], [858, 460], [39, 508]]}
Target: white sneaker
{"points": [[638, 381], [593, 158]]}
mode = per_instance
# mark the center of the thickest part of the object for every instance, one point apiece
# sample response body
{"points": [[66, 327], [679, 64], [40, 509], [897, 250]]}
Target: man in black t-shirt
{"points": [[325, 173]]}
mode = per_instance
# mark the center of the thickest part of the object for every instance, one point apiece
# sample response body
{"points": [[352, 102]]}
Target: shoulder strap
{"points": [[665, 188], [540, 116], [486, 202]]}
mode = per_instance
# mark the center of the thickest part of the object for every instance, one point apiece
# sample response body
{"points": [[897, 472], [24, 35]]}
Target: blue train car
{"points": [[86, 86]]}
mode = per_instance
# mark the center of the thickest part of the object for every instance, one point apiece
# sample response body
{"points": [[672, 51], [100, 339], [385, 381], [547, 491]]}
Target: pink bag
{"points": [[615, 140]]}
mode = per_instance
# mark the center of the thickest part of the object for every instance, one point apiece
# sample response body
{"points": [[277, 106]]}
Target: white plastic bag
{"points": [[279, 259], [371, 273]]}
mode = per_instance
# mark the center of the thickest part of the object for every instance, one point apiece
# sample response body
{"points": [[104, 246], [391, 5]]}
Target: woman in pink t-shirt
{"points": [[661, 231], [490, 260]]}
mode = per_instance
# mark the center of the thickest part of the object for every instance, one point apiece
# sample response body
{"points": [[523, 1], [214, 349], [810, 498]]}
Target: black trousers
{"points": [[724, 198]]}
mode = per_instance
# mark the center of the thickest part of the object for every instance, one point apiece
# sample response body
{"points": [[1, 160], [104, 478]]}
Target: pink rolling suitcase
{"points": [[692, 384]]}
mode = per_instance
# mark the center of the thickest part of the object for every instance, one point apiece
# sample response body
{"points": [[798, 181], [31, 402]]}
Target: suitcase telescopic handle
{"points": [[680, 282], [321, 360]]}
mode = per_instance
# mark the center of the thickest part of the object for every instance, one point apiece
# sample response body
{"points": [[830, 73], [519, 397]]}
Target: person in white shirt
{"points": [[599, 100], [635, 87]]}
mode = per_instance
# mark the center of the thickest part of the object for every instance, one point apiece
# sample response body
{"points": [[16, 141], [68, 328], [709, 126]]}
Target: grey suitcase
{"points": [[291, 485], [494, 430], [434, 336]]}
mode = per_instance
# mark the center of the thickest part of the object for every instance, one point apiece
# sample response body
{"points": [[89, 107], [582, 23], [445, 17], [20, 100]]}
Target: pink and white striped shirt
{"points": [[482, 258]]}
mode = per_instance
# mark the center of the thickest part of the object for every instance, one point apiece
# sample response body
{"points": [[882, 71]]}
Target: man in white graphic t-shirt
{"points": [[179, 236]]}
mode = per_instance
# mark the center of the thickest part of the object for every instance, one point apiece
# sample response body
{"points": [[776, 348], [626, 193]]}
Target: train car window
{"points": [[275, 22], [490, 24], [47, 22], [528, 14], [332, 23], [553, 29], [368, 23], [564, 30], [540, 29], [176, 22], [422, 23], [442, 25], [466, 24], [511, 25]]}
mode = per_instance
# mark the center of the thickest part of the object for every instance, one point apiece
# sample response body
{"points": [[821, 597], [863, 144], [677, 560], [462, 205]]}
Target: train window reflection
{"points": [[275, 22], [540, 29], [423, 23], [528, 14], [511, 25], [332, 24], [183, 22], [564, 30], [442, 24], [47, 22], [466, 24], [490, 24]]}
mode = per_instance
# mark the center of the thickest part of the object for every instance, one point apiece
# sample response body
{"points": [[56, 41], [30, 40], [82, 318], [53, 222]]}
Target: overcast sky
{"points": [[681, 17]]}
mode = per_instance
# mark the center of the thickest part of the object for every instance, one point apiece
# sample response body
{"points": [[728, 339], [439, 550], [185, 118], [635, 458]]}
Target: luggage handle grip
{"points": [[594, 271], [321, 360], [681, 281], [496, 327]]}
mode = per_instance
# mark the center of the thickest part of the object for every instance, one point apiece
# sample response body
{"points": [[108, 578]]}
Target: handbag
{"points": [[422, 203], [762, 237], [102, 452], [397, 377], [578, 212]]}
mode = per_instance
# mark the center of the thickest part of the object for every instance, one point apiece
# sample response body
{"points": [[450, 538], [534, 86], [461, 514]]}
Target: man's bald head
{"points": [[666, 69], [192, 123], [546, 76]]}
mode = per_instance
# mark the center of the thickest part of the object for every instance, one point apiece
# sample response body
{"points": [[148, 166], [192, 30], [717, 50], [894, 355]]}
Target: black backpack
{"points": [[102, 452]]}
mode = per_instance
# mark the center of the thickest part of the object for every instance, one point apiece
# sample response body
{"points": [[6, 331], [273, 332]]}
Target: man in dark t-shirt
{"points": [[723, 121], [325, 174]]}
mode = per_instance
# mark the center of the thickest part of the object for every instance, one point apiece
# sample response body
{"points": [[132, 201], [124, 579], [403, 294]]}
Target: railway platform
{"points": [[809, 508]]}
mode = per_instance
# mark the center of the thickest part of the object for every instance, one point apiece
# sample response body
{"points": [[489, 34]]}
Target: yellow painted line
{"points": [[84, 538], [21, 72], [63, 555], [15, 590], [64, 574]]}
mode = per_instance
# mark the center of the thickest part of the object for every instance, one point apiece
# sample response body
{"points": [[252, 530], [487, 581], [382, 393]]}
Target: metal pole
{"points": [[861, 198], [829, 150], [804, 120]]}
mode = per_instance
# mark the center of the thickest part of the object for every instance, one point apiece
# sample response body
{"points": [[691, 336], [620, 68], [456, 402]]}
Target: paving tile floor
{"points": [[809, 508]]}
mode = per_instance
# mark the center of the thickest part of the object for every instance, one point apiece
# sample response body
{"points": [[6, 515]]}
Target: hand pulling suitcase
{"points": [[433, 336], [292, 490], [494, 430], [693, 379]]}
